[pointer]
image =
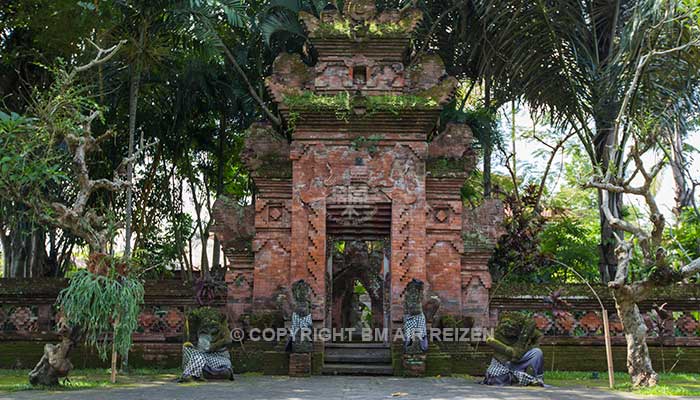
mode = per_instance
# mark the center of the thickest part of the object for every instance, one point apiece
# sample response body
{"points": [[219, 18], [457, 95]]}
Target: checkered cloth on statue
{"points": [[299, 323], [196, 360], [515, 373], [414, 328]]}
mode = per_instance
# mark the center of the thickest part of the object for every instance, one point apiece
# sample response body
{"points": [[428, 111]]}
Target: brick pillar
{"points": [[445, 245], [272, 243], [481, 228], [239, 280], [476, 282], [300, 364]]}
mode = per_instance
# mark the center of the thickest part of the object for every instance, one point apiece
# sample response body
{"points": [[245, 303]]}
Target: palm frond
{"points": [[280, 22]]}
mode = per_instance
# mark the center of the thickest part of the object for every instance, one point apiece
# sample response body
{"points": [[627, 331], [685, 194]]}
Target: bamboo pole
{"points": [[113, 377], [606, 326], [608, 349]]}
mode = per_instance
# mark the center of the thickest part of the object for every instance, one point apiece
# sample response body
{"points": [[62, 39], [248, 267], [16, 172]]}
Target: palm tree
{"points": [[600, 67], [575, 60]]}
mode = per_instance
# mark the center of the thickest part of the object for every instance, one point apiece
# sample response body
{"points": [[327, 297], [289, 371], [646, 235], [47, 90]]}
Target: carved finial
{"points": [[360, 10]]}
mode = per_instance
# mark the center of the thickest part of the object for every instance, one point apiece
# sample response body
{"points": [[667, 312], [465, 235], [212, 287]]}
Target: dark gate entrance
{"points": [[358, 282]]}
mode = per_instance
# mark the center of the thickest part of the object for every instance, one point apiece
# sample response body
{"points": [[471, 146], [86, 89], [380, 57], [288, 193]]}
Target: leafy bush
{"points": [[102, 304]]}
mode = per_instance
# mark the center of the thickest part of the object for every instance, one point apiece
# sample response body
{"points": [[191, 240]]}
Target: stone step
{"points": [[357, 369], [355, 356], [356, 345]]}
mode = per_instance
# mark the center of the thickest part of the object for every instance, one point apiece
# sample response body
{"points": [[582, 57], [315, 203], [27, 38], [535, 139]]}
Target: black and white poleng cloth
{"points": [[195, 360], [299, 323], [414, 327]]}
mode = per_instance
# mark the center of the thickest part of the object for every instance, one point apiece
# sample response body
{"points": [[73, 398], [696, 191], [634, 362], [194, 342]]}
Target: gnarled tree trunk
{"points": [[638, 360], [54, 364]]}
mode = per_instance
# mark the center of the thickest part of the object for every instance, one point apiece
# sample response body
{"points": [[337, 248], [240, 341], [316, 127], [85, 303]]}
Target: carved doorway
{"points": [[358, 273]]}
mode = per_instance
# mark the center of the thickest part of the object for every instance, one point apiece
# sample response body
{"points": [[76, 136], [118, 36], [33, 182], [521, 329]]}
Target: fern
{"points": [[96, 302]]}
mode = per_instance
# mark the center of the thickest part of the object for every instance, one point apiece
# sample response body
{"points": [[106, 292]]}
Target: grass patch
{"points": [[80, 379], [670, 384]]}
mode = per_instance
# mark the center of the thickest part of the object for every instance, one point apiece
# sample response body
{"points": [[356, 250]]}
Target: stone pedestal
{"points": [[414, 365], [300, 364]]}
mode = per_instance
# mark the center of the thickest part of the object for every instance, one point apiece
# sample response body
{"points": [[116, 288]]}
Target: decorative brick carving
{"points": [[482, 226], [687, 325], [564, 322], [23, 319], [266, 153], [591, 322], [450, 152], [234, 224]]}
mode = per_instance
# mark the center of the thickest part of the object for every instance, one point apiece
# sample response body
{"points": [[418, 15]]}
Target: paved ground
{"points": [[327, 387]]}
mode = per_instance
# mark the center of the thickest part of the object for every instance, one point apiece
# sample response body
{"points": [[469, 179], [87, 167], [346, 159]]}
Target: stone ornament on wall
{"points": [[265, 152], [18, 319], [360, 10], [169, 321], [234, 224], [361, 15], [589, 323], [483, 225], [450, 153]]}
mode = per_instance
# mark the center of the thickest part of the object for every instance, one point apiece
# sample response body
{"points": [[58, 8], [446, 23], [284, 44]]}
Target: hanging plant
{"points": [[103, 303]]}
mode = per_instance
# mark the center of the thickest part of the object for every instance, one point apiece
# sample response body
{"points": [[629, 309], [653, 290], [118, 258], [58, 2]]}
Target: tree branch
{"points": [[103, 55]]}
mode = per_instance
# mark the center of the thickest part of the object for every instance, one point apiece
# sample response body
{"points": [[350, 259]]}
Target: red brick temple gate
{"points": [[368, 160]]}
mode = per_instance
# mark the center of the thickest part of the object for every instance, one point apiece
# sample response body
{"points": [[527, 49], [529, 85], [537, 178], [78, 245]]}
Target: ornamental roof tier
{"points": [[361, 67]]}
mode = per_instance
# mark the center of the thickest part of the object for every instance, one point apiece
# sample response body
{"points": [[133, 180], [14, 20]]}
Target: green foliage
{"points": [[265, 320], [345, 28], [337, 28], [342, 103], [517, 255], [572, 241], [369, 142], [204, 319], [684, 237], [339, 103], [30, 161], [483, 122], [397, 103], [103, 304], [161, 247]]}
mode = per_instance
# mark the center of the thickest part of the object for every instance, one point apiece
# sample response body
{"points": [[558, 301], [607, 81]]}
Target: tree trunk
{"points": [[683, 195], [638, 360], [216, 256], [24, 250], [54, 364], [5, 243], [607, 263], [133, 106], [133, 102], [487, 144]]}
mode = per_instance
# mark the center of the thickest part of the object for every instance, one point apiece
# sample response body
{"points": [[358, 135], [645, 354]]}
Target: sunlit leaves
{"points": [[103, 304]]}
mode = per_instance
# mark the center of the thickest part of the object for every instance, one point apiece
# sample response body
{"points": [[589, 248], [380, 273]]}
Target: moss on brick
{"points": [[438, 363], [446, 167], [276, 362], [342, 104]]}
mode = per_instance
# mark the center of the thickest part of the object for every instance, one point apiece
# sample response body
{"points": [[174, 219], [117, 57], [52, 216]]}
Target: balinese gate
{"points": [[368, 160]]}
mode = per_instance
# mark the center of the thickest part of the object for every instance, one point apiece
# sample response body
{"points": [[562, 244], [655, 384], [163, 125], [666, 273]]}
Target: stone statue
{"points": [[414, 326], [210, 357], [298, 307], [516, 359], [54, 363]]}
